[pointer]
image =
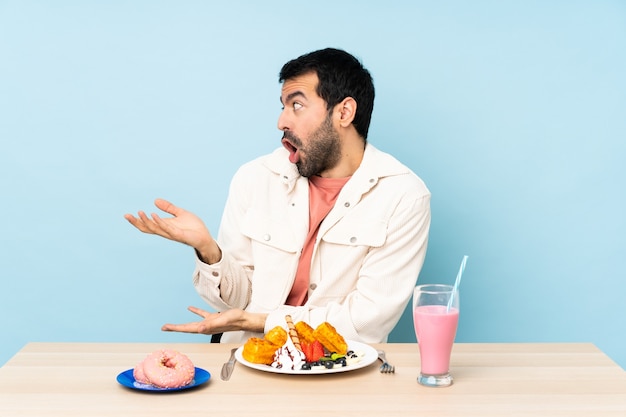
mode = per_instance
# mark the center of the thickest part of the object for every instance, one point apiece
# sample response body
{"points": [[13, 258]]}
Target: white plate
{"points": [[369, 356]]}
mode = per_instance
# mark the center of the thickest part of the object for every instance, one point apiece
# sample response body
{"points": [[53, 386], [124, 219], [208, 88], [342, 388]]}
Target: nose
{"points": [[283, 122]]}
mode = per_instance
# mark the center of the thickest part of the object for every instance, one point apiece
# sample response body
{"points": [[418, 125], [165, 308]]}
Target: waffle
{"points": [[330, 339], [305, 332], [262, 351]]}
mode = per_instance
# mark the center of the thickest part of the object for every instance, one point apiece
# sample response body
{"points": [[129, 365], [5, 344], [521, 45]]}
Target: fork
{"points": [[386, 367]]}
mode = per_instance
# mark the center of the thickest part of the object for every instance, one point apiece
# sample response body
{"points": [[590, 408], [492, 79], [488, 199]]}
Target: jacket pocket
{"points": [[267, 231], [357, 232]]}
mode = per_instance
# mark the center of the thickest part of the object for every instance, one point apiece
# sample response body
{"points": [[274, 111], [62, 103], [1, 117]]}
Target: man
{"points": [[326, 228]]}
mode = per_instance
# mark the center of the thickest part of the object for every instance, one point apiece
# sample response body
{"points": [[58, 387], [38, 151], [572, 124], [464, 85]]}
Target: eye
{"points": [[297, 106]]}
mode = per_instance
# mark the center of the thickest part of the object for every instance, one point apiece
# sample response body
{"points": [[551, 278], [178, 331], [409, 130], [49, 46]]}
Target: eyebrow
{"points": [[292, 96]]}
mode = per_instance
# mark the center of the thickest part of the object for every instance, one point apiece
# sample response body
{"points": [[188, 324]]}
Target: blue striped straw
{"points": [[457, 282]]}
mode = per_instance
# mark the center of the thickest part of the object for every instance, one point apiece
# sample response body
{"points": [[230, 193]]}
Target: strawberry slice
{"points": [[307, 349], [317, 351]]}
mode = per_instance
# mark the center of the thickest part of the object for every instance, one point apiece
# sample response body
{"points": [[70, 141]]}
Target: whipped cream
{"points": [[288, 357], [354, 357]]}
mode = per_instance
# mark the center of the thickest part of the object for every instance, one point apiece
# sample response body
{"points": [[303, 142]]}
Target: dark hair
{"points": [[340, 75]]}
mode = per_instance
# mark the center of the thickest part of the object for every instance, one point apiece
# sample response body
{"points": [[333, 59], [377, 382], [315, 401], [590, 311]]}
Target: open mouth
{"points": [[294, 154]]}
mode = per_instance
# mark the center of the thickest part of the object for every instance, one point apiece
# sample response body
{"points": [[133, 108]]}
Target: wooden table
{"points": [[79, 379]]}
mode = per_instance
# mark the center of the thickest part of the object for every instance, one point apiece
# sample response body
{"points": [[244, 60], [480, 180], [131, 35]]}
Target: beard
{"points": [[322, 152]]}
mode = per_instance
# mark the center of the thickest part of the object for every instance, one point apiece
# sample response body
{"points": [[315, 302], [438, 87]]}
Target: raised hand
{"points": [[184, 227]]}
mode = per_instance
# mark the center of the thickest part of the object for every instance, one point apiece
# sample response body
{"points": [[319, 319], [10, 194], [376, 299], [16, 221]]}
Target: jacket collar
{"points": [[374, 166]]}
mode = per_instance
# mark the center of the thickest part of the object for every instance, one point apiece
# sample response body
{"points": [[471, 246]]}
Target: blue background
{"points": [[513, 112]]}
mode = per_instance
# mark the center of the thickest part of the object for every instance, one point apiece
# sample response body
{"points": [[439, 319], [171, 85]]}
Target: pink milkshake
{"points": [[435, 330]]}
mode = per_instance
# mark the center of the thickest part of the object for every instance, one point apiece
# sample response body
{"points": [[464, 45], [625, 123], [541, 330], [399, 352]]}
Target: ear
{"points": [[347, 111]]}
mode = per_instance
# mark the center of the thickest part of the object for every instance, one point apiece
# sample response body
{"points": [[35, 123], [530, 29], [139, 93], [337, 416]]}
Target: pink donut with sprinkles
{"points": [[139, 375], [165, 368]]}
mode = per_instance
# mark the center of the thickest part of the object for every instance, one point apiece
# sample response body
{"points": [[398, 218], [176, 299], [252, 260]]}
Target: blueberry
{"points": [[329, 364], [306, 367]]}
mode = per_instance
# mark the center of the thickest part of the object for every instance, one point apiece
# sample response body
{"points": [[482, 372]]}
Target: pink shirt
{"points": [[323, 193]]}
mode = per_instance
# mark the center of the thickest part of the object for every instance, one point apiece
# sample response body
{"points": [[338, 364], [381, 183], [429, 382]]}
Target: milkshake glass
{"points": [[435, 317]]}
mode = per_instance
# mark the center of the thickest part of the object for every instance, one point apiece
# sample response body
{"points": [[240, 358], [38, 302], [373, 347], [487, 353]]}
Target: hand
{"points": [[184, 227], [229, 320]]}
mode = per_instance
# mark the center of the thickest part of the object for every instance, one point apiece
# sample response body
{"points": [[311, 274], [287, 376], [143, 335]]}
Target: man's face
{"points": [[308, 132]]}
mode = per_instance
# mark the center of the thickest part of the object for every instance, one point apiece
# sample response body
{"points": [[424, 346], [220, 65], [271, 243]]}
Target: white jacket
{"points": [[365, 263]]}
